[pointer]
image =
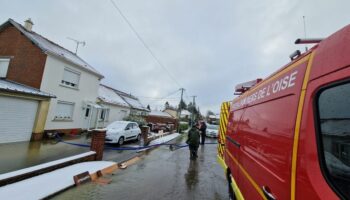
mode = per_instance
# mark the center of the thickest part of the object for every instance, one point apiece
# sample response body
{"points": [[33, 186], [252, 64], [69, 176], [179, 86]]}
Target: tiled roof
{"points": [[52, 48], [133, 102], [108, 95], [159, 114]]}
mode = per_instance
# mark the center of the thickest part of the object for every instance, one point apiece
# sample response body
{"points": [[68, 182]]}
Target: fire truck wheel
{"points": [[231, 193]]}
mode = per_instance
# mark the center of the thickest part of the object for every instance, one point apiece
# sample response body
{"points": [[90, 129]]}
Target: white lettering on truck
{"points": [[279, 85]]}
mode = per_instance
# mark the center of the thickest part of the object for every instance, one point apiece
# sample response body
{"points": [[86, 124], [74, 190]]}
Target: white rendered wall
{"points": [[116, 113], [51, 83]]}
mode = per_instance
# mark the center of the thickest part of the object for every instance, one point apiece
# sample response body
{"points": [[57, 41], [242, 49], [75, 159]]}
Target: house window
{"points": [[70, 78], [87, 112], [4, 65], [64, 110], [104, 114]]}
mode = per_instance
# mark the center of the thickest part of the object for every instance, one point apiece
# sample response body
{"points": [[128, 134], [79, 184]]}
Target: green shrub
{"points": [[138, 119], [183, 126]]}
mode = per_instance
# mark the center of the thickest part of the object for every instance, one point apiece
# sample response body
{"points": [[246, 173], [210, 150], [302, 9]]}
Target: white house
{"points": [[76, 87], [185, 114], [136, 106], [114, 108], [73, 81]]}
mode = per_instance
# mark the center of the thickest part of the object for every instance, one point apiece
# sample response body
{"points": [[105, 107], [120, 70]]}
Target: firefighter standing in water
{"points": [[193, 141], [203, 129]]}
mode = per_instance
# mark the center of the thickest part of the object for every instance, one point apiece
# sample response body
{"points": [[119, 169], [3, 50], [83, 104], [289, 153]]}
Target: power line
{"points": [[144, 43], [155, 98], [187, 97], [168, 95]]}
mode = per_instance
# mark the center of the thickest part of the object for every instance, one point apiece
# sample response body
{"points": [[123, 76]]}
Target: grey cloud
{"points": [[210, 46]]}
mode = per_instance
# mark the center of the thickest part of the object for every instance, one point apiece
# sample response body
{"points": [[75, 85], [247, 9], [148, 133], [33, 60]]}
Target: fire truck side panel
{"points": [[311, 183], [268, 131], [265, 133], [233, 141]]}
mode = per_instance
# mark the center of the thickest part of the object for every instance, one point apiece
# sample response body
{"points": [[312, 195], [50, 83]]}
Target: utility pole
{"points": [[179, 110], [194, 105], [182, 93]]}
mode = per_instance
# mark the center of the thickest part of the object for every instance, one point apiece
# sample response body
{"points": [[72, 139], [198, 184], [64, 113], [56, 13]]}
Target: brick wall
{"points": [[98, 142], [28, 62], [161, 120], [158, 119]]}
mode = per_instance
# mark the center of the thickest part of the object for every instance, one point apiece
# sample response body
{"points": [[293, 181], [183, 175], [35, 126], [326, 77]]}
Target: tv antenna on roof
{"points": [[78, 43], [305, 32]]}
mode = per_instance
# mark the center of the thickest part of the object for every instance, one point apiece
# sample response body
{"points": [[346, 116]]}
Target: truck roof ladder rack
{"points": [[295, 55], [308, 40], [243, 87]]}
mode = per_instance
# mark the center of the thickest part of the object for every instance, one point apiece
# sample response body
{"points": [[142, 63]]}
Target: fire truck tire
{"points": [[231, 193]]}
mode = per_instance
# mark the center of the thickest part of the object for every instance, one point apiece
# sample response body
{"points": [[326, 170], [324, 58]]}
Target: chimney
{"points": [[28, 24]]}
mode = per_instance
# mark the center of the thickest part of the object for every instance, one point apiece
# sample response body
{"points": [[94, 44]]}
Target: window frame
{"points": [[135, 126], [105, 113], [87, 111], [67, 103], [319, 142], [130, 125], [71, 71], [8, 65]]}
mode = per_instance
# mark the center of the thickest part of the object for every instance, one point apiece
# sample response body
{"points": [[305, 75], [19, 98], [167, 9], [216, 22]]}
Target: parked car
{"points": [[121, 131], [212, 130]]}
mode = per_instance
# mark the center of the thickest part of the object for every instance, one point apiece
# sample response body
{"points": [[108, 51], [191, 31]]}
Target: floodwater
{"points": [[162, 174], [19, 155]]}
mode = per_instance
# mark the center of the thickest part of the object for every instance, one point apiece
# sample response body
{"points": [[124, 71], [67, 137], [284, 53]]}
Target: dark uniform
{"points": [[193, 142], [203, 129]]}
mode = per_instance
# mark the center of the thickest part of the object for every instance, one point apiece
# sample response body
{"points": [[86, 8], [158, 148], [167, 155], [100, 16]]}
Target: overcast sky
{"points": [[209, 46]]}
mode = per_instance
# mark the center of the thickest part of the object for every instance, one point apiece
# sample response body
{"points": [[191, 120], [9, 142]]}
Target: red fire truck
{"points": [[288, 136]]}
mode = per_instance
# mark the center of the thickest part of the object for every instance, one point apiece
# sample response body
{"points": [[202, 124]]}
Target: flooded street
{"points": [[19, 155], [162, 174]]}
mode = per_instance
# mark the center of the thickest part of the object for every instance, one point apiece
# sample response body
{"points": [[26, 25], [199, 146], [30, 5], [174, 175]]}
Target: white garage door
{"points": [[17, 118]]}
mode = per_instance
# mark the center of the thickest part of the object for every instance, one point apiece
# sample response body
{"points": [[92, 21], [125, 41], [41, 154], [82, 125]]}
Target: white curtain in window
{"points": [[4, 64], [64, 110], [71, 77]]}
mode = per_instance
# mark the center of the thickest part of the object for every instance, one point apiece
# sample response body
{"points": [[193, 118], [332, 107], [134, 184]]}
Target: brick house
{"points": [[39, 63], [159, 118]]}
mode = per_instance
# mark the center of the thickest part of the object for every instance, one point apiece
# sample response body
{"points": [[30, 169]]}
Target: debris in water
{"points": [[123, 165]]}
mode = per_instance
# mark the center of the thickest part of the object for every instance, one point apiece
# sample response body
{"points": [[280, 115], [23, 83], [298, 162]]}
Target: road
{"points": [[162, 174]]}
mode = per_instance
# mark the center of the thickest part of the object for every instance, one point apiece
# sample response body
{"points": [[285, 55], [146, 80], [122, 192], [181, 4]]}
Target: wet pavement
{"points": [[162, 174], [19, 155]]}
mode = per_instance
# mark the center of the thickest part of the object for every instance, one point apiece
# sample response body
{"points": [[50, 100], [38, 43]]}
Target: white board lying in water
{"points": [[47, 184]]}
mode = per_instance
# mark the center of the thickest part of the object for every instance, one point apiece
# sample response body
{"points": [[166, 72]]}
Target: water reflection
{"points": [[191, 176], [19, 155]]}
